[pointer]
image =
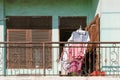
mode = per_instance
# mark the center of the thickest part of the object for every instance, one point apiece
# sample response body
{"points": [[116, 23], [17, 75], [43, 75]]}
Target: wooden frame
{"points": [[47, 30]]}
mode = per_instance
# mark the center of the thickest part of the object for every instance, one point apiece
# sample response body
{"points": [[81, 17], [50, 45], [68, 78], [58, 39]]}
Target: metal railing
{"points": [[41, 59]]}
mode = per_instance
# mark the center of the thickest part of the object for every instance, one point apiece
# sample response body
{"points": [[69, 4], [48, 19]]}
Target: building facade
{"points": [[28, 20]]}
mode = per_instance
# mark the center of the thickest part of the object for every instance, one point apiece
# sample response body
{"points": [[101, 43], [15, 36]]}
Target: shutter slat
{"points": [[16, 52], [17, 36], [42, 36]]}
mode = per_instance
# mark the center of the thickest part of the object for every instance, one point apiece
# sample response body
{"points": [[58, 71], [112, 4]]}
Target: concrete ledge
{"points": [[57, 78]]}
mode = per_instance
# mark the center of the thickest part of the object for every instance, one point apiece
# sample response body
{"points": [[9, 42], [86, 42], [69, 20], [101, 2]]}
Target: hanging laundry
{"points": [[75, 52]]}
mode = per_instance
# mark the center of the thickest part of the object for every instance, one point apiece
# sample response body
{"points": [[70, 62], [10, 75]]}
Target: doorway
{"points": [[68, 24]]}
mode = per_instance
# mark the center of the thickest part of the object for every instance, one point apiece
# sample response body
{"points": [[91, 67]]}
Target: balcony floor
{"points": [[59, 78]]}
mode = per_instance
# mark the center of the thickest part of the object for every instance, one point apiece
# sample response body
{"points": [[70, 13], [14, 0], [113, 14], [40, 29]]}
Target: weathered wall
{"points": [[110, 20], [1, 11], [1, 20], [52, 8]]}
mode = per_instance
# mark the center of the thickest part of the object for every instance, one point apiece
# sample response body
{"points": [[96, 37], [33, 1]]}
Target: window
{"points": [[28, 29]]}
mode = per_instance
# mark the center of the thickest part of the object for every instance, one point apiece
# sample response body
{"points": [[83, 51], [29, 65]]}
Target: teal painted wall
{"points": [[94, 7], [1, 11], [52, 8]]}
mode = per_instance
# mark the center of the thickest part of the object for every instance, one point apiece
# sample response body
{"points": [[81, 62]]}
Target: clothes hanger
{"points": [[80, 29]]}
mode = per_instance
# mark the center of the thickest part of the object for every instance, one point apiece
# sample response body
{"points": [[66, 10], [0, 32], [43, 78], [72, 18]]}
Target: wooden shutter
{"points": [[29, 22], [16, 56], [28, 56], [93, 29], [28, 29], [42, 36]]}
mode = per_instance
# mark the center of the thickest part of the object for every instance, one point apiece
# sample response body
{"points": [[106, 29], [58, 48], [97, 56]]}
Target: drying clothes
{"points": [[65, 53], [76, 51], [75, 66], [73, 54], [79, 36], [76, 55]]}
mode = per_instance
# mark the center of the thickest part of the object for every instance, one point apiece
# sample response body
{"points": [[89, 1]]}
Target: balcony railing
{"points": [[25, 58]]}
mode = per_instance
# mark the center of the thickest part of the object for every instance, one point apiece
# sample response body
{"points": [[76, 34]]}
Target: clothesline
{"points": [[3, 19]]}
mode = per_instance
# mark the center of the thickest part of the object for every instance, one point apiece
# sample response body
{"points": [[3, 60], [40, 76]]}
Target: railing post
{"points": [[4, 5], [44, 59], [5, 60], [4, 56]]}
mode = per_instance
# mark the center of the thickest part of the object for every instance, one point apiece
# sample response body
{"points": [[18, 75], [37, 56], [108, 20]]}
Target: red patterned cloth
{"points": [[97, 73]]}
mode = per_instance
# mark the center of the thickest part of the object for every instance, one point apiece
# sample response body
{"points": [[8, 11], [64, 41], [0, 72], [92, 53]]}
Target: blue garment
{"points": [[81, 36]]}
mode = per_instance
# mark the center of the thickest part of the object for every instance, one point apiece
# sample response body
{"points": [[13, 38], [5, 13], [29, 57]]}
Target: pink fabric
{"points": [[75, 66], [75, 56], [76, 51]]}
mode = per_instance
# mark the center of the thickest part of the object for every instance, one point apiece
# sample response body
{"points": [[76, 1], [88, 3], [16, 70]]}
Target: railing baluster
{"points": [[44, 59], [110, 62]]}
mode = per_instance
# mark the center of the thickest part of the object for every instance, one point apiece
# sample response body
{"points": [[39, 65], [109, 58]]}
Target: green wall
{"points": [[48, 7], [1, 11], [94, 7], [52, 8]]}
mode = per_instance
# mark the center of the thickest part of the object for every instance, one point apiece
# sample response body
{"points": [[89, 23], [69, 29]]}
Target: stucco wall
{"points": [[110, 6], [109, 20], [109, 32], [53, 8], [1, 11]]}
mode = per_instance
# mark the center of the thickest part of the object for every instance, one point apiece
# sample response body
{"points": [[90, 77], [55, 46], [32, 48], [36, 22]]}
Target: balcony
{"points": [[40, 59]]}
